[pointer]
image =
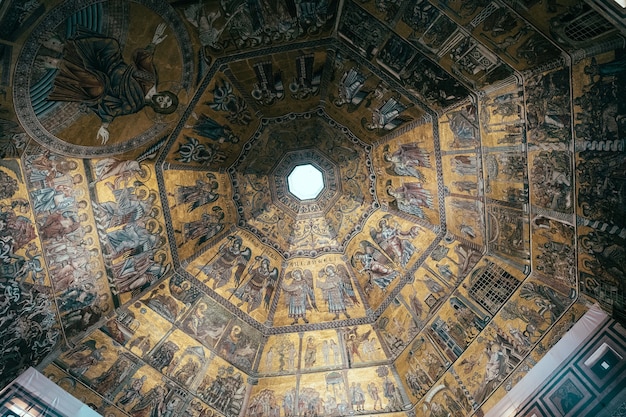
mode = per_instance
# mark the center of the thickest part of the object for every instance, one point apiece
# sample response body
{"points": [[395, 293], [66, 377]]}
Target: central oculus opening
{"points": [[305, 182]]}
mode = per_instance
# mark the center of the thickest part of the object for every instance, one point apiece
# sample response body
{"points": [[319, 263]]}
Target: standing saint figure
{"points": [[92, 71], [300, 295], [310, 353]]}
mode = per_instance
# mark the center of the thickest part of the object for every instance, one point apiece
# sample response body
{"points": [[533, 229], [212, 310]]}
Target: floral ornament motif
{"points": [[224, 100], [194, 151]]}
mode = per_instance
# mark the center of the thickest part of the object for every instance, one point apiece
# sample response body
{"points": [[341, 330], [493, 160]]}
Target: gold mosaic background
{"points": [[474, 200]]}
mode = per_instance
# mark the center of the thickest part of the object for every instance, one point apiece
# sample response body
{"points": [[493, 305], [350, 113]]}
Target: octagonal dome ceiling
{"points": [[374, 221], [168, 246], [360, 236]]}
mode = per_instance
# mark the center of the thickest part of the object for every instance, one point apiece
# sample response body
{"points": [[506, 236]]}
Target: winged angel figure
{"points": [[407, 160], [259, 286], [299, 293], [395, 243], [337, 290], [350, 90], [376, 264], [387, 116]]}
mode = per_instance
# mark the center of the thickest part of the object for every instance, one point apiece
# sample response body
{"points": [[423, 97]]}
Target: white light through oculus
{"points": [[305, 182]]}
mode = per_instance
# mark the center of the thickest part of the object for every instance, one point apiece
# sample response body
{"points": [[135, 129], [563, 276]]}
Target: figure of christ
{"points": [[92, 71]]}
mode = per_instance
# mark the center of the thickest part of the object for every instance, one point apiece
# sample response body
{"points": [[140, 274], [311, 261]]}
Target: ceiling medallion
{"points": [[57, 110]]}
